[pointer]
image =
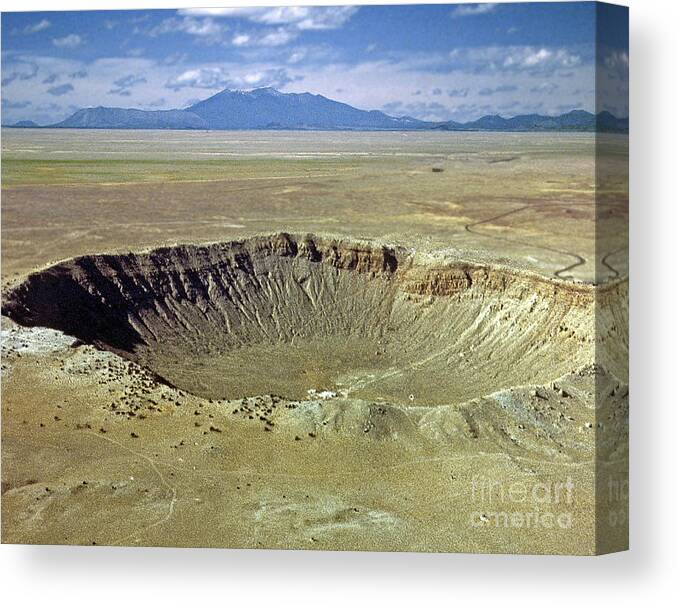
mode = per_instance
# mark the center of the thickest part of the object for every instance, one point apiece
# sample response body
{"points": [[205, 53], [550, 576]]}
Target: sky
{"points": [[433, 62]]}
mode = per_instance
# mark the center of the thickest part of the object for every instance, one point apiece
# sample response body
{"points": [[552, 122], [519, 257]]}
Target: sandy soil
{"points": [[523, 200]]}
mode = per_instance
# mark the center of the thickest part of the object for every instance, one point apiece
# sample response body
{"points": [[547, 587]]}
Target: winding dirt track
{"points": [[604, 261], [579, 260]]}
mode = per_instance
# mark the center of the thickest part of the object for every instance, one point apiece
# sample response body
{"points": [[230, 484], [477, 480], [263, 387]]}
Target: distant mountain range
{"points": [[270, 109], [23, 124], [577, 120], [115, 117]]}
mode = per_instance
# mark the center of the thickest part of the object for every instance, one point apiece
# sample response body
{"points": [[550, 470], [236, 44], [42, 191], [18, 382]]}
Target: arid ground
{"points": [[386, 341]]}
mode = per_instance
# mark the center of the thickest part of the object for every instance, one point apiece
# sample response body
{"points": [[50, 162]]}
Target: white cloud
{"points": [[218, 78], [537, 60], [434, 111], [301, 17], [616, 64], [281, 25], [617, 58], [207, 29], [547, 87], [471, 10], [542, 57], [34, 28], [297, 56], [69, 41], [278, 37], [241, 39], [205, 77]]}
